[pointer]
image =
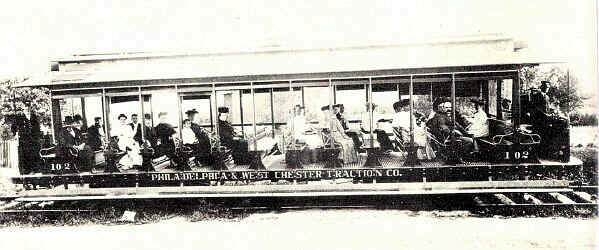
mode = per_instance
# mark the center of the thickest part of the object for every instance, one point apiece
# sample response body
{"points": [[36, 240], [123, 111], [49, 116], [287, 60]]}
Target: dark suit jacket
{"points": [[149, 135], [203, 139], [226, 132], [440, 126], [94, 139]]}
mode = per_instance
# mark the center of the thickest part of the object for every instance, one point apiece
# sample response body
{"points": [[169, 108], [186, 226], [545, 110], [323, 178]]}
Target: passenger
{"points": [[202, 146], [348, 152], [187, 134], [95, 134], [165, 141], [73, 148], [78, 123], [339, 110], [479, 124], [297, 125], [442, 127], [402, 123], [134, 124], [378, 129], [149, 136], [436, 105], [231, 139], [124, 134]]}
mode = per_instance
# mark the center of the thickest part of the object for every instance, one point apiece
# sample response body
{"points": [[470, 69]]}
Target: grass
{"points": [[110, 212]]}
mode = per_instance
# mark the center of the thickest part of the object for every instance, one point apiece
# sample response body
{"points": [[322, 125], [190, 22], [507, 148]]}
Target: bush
{"points": [[589, 156], [5, 132], [577, 119]]}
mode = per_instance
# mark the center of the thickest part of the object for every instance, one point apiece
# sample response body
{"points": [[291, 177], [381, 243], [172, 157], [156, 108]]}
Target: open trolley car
{"points": [[386, 119]]}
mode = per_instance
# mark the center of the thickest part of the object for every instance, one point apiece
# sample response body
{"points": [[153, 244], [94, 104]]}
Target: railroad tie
{"points": [[504, 199], [562, 198], [532, 200], [10, 205], [584, 196]]}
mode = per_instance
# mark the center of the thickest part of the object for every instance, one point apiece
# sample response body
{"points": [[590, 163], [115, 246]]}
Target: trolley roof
{"points": [[466, 54]]}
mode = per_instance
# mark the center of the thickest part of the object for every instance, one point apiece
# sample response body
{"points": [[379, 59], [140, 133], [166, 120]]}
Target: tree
{"points": [[563, 91], [13, 100]]}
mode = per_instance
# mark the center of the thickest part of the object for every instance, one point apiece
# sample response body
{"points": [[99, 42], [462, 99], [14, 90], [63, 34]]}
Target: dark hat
{"points": [[338, 105], [223, 109], [97, 118], [325, 108], [478, 101], [68, 121], [545, 84], [147, 116], [121, 115], [77, 118], [401, 103], [191, 111]]}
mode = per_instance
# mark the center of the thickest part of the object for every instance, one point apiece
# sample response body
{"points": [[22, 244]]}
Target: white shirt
{"points": [[480, 124], [122, 130], [188, 136], [125, 134]]}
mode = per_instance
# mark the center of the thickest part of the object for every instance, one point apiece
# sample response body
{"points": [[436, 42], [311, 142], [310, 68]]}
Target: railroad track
{"points": [[575, 198], [9, 206]]}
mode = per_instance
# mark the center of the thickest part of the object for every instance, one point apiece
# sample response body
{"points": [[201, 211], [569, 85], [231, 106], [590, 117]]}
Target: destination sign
{"points": [[275, 175]]}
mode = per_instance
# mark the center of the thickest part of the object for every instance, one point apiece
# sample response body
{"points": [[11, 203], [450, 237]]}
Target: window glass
{"points": [[231, 100], [284, 101], [353, 99], [126, 105], [165, 101], [202, 104], [315, 97]]}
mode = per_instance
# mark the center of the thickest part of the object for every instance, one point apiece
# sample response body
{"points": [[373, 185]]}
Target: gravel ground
{"points": [[319, 229]]}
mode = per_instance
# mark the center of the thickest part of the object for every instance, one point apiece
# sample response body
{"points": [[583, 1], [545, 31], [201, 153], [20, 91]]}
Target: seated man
{"points": [[148, 133], [95, 134], [378, 129], [402, 123], [73, 148], [231, 139], [443, 129], [165, 142]]}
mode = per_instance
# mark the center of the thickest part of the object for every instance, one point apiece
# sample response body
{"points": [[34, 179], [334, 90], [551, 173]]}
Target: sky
{"points": [[37, 31]]}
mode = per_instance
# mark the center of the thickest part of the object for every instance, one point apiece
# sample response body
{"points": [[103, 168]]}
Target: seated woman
{"points": [[124, 133], [401, 122], [339, 111], [479, 124], [348, 154]]}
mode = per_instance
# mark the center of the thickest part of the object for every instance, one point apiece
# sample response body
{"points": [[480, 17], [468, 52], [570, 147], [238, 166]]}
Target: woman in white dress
{"points": [[126, 143]]}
